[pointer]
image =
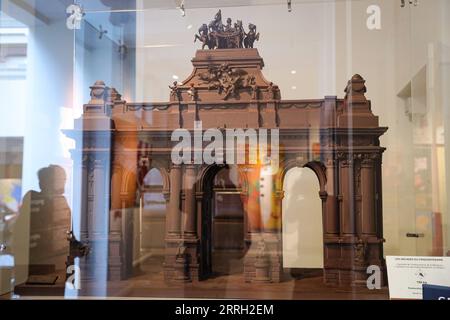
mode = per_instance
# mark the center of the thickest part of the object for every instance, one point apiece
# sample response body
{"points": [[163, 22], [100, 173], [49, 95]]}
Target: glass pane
{"points": [[216, 147]]}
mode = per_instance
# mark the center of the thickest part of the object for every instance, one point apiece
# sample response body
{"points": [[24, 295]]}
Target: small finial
{"points": [[356, 89], [98, 90]]}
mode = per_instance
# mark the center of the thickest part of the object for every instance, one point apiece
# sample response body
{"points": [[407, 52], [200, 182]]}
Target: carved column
{"points": [[189, 221], [94, 133], [331, 223], [273, 240], [115, 263], [95, 225], [190, 239], [174, 212], [368, 219], [347, 195], [174, 245]]}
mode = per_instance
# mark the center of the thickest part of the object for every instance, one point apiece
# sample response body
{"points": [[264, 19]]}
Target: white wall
{"points": [[421, 40], [301, 41], [50, 88], [302, 220], [11, 92]]}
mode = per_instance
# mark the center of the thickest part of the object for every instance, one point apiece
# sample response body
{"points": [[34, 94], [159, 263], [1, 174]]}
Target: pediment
{"points": [[225, 75]]}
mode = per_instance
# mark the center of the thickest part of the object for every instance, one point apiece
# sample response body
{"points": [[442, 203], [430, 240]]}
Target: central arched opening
{"points": [[226, 223], [302, 224]]}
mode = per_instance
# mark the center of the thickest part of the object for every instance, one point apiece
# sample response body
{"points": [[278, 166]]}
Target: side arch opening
{"points": [[302, 216]]}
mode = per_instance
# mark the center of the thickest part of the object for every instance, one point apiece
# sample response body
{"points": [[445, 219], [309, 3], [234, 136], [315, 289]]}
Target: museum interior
{"points": [[242, 149]]}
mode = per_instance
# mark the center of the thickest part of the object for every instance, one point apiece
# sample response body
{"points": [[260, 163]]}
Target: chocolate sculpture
{"points": [[228, 90], [216, 35]]}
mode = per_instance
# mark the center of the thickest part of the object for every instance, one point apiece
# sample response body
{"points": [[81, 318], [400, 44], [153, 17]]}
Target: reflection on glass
{"points": [[97, 91]]}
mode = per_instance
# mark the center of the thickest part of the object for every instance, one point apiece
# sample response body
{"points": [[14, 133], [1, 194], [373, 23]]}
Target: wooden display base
{"points": [[42, 285]]}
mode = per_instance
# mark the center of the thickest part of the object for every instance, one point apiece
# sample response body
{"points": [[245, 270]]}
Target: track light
{"points": [[101, 32], [289, 4], [403, 3]]}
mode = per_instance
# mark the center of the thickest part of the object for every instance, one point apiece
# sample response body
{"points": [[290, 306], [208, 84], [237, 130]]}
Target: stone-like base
{"points": [[271, 270], [180, 261]]}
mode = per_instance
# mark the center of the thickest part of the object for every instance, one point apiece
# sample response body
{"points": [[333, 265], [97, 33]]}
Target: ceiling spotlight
{"points": [[415, 2], [175, 77], [101, 32], [289, 4], [293, 71]]}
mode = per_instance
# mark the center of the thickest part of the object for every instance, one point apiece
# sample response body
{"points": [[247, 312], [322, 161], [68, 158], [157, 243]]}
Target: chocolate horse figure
{"points": [[251, 36], [205, 37], [217, 35]]}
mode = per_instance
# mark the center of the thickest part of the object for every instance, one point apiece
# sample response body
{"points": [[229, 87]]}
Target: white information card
{"points": [[406, 275]]}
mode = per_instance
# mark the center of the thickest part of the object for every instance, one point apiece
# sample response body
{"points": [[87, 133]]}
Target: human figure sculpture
{"points": [[273, 91], [251, 83], [205, 38], [251, 36], [229, 26], [192, 92], [216, 35], [360, 251], [175, 90], [240, 29], [216, 25]]}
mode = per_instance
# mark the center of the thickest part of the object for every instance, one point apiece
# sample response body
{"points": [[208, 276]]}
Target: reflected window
{"points": [[153, 198], [152, 211]]}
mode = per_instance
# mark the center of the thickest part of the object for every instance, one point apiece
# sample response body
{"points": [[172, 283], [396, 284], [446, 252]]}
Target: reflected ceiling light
{"points": [[161, 45], [9, 217], [293, 71], [115, 11], [289, 4], [14, 31], [189, 26], [294, 88]]}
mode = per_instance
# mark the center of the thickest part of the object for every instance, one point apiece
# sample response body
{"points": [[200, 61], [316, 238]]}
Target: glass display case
{"points": [[263, 149]]}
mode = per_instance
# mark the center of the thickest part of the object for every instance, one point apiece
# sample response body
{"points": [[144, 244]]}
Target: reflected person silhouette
{"points": [[52, 243]]}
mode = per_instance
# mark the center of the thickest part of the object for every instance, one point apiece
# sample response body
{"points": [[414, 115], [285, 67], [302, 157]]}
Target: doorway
{"points": [[302, 224], [224, 227]]}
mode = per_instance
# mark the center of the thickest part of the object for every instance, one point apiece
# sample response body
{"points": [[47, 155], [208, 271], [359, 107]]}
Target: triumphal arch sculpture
{"points": [[118, 142]]}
